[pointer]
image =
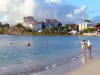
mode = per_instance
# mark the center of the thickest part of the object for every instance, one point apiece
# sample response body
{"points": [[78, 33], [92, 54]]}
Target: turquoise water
{"points": [[44, 51]]}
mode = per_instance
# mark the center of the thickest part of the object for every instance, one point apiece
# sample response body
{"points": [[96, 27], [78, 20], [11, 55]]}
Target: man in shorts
{"points": [[89, 46]]}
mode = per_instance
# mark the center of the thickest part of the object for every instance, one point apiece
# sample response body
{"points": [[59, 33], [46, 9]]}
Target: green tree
{"points": [[46, 30], [28, 30], [87, 20], [89, 30], [59, 27], [66, 25], [19, 25], [65, 28], [18, 28], [6, 25], [85, 31], [1, 24], [53, 30], [81, 32]]}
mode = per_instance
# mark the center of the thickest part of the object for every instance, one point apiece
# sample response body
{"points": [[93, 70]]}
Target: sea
{"points": [[44, 52]]}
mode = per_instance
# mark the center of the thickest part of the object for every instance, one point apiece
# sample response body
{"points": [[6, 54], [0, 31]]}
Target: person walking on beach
{"points": [[89, 46], [84, 44]]}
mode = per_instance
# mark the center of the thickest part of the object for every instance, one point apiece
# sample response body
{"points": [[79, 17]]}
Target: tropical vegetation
{"points": [[19, 29]]}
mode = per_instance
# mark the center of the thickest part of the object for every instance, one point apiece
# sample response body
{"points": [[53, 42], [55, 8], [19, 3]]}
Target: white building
{"points": [[85, 25], [29, 22], [36, 26]]}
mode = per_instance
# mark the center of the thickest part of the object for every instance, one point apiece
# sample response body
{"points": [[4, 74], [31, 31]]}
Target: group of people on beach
{"points": [[85, 46]]}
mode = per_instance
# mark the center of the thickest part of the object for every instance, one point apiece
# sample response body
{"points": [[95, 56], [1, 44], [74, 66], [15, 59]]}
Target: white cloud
{"points": [[80, 10], [78, 15], [69, 15], [27, 7], [55, 1], [15, 9], [4, 5]]}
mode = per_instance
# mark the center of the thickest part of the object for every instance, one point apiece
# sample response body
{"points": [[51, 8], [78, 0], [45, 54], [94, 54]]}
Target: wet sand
{"points": [[92, 68], [73, 67]]}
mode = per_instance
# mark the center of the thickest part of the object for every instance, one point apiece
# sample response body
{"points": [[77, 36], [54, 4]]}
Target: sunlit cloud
{"points": [[14, 10]]}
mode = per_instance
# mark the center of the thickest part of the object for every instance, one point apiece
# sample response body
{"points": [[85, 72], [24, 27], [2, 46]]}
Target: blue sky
{"points": [[66, 11], [92, 6]]}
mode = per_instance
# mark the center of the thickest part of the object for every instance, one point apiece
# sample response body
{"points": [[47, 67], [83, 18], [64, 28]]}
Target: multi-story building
{"points": [[27, 21], [85, 25], [36, 26], [30, 22], [51, 22], [97, 27]]}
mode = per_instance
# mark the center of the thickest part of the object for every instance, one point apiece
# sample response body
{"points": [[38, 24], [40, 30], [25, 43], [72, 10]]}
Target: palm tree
{"points": [[65, 28], [19, 25], [59, 27], [87, 20]]}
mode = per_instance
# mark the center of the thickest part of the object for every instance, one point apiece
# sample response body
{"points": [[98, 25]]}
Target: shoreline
{"points": [[91, 68], [50, 35], [40, 34], [70, 66]]}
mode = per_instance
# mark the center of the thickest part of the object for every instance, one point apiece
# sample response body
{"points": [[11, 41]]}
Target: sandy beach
{"points": [[81, 66], [92, 68]]}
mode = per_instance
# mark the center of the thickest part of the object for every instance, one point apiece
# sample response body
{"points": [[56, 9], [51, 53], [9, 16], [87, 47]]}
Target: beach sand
{"points": [[92, 68], [76, 67]]}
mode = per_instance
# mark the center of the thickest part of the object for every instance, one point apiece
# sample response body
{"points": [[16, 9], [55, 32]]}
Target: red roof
{"points": [[54, 20], [96, 25], [36, 22], [51, 20], [73, 25], [47, 20]]}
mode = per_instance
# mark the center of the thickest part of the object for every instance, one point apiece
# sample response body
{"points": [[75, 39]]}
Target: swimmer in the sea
{"points": [[28, 44]]}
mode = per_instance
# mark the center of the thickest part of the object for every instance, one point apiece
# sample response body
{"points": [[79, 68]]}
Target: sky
{"points": [[66, 11], [92, 6]]}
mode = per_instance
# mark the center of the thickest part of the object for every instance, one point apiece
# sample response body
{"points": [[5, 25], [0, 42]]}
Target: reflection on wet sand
{"points": [[89, 56], [86, 58]]}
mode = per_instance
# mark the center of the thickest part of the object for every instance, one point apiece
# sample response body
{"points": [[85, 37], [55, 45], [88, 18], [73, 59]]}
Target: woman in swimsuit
{"points": [[83, 43]]}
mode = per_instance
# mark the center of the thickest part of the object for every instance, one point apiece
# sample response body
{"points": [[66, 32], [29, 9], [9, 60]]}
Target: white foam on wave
{"points": [[47, 68], [19, 69], [54, 65], [63, 62], [28, 67]]}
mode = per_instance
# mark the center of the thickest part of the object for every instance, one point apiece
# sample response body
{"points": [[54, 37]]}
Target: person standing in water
{"points": [[84, 44], [89, 46], [37, 42], [46, 43]]}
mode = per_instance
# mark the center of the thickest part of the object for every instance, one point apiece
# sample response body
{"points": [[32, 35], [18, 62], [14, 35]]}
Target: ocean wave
{"points": [[63, 62], [29, 67]]}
